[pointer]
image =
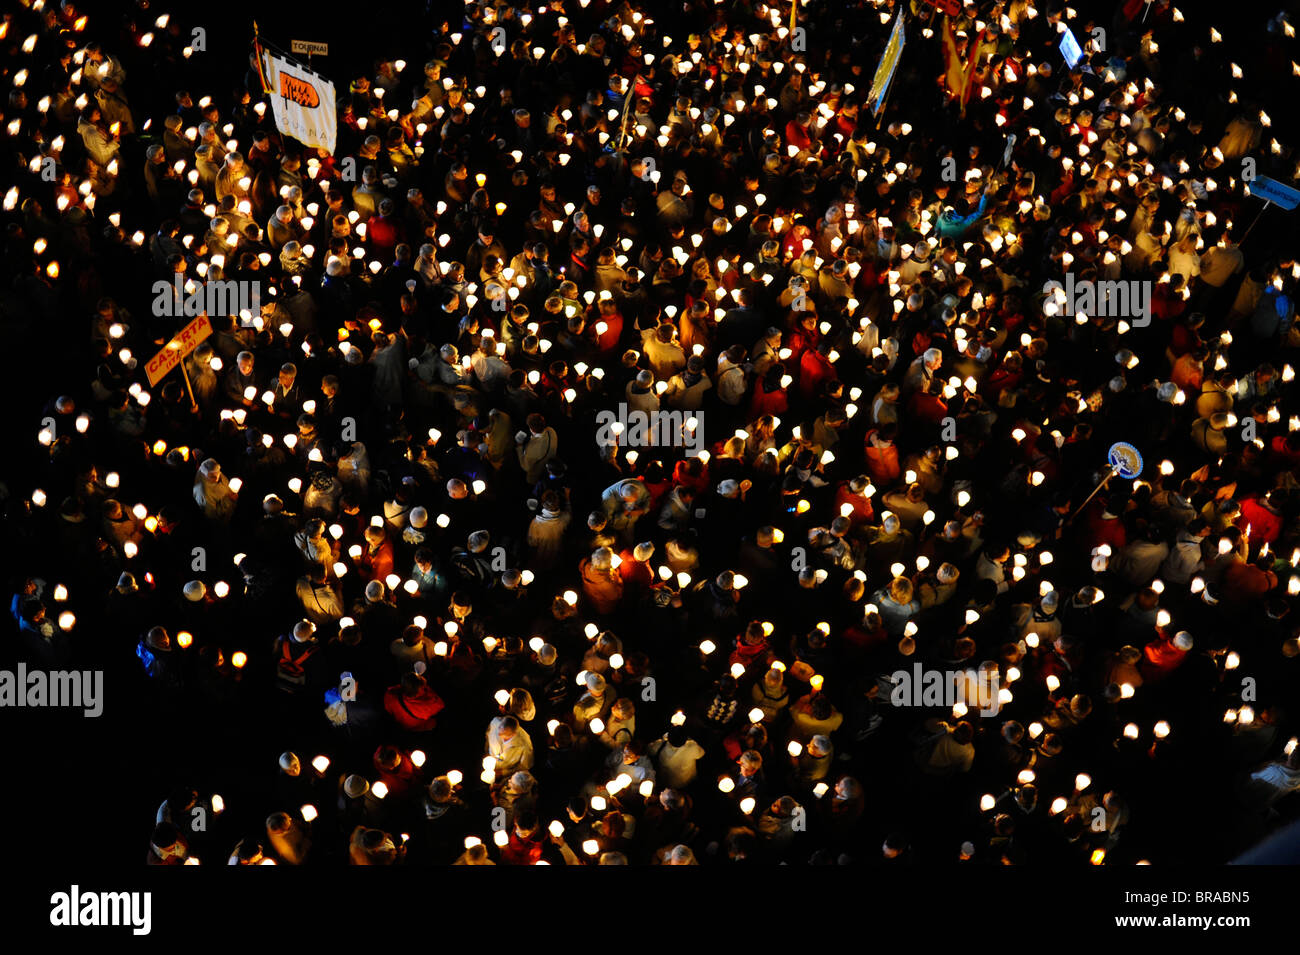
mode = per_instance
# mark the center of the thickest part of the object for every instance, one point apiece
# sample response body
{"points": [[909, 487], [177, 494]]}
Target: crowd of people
{"points": [[636, 398]]}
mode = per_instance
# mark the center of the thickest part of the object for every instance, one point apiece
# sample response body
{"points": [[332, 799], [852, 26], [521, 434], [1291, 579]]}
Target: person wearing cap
{"points": [[635, 570], [601, 582], [814, 763], [213, 493], [292, 652], [596, 701]]}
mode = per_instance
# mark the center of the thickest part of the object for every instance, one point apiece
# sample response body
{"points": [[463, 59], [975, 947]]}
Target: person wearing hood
{"points": [[214, 493]]}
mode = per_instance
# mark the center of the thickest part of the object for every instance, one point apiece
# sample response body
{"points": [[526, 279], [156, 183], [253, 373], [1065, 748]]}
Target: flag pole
{"points": [[194, 405], [627, 108], [1110, 473], [257, 51], [1258, 215]]}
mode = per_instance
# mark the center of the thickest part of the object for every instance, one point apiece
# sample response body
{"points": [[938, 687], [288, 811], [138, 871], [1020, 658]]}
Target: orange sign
{"points": [[185, 342], [298, 90]]}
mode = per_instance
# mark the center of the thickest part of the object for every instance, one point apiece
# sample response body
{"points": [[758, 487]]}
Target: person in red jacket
{"points": [[413, 704], [1164, 654], [1263, 517], [376, 561], [882, 455], [751, 646], [1285, 450], [1105, 527], [927, 404], [396, 770], [692, 473], [634, 567], [607, 327], [769, 394], [798, 132], [384, 231], [815, 369], [1247, 582], [526, 840], [853, 492]]}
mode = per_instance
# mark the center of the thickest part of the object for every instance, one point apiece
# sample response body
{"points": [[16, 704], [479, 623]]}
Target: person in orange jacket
{"points": [[882, 455], [1165, 654], [1245, 582]]}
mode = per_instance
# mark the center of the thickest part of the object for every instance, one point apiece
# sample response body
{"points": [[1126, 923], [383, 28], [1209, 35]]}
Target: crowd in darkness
{"points": [[393, 574]]}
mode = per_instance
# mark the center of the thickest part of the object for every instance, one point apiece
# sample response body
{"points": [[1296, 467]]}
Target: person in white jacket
{"points": [[733, 375], [676, 754], [1187, 556], [511, 745], [213, 492]]}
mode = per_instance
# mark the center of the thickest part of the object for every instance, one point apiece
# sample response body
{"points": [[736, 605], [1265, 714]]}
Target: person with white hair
{"points": [[510, 745], [625, 502], [922, 371], [314, 544], [281, 228], [678, 855], [597, 700], [601, 582], [213, 493]]}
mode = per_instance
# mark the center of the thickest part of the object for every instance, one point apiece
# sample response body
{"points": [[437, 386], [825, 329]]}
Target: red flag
{"points": [[972, 56], [958, 74]]}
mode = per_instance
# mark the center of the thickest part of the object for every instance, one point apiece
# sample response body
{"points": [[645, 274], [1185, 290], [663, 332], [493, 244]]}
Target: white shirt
{"points": [[677, 765]]}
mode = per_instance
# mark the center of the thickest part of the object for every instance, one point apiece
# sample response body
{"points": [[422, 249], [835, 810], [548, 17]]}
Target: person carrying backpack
{"points": [[291, 655]]}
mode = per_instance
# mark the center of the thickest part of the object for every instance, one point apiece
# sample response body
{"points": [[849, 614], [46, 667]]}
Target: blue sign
{"points": [[1270, 190], [1125, 459], [1070, 49]]}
